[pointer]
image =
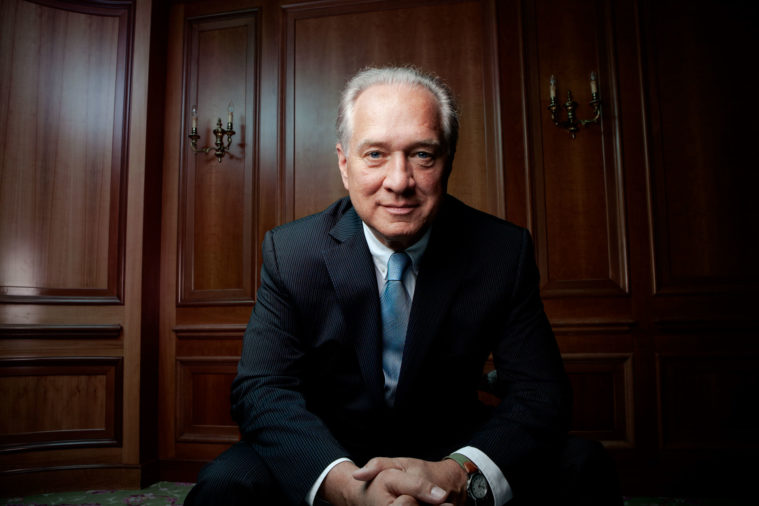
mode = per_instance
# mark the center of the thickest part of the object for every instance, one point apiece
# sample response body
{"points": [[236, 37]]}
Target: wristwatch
{"points": [[477, 486]]}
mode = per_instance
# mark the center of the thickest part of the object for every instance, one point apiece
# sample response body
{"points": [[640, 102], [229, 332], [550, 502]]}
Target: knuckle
{"points": [[418, 483]]}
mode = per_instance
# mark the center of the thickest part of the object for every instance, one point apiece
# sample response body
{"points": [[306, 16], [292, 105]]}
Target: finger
{"points": [[375, 466], [401, 483], [405, 500]]}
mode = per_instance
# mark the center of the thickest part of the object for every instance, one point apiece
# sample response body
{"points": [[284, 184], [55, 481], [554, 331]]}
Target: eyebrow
{"points": [[425, 143]]}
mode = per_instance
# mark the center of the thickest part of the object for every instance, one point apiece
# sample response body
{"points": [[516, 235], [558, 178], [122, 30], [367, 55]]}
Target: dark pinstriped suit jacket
{"points": [[310, 383]]}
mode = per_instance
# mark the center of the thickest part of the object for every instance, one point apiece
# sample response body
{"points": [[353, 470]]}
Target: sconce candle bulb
{"points": [[220, 149], [230, 111], [593, 84], [552, 86]]}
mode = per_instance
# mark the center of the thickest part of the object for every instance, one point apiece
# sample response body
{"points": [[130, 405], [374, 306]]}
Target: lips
{"points": [[399, 209]]}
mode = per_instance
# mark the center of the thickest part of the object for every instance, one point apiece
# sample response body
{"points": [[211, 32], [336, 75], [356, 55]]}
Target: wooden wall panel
{"points": [[203, 414], [700, 214], [63, 138], [205, 366], [217, 254], [705, 400], [603, 396], [578, 193], [703, 169], [53, 403], [210, 234], [603, 386], [321, 54]]}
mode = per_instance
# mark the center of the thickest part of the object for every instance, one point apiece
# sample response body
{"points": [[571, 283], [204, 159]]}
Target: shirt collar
{"points": [[381, 253]]}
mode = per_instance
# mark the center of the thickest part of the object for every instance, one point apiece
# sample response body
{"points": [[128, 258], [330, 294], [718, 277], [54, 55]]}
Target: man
{"points": [[358, 379]]}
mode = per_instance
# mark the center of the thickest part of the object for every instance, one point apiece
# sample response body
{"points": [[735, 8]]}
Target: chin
{"points": [[404, 238]]}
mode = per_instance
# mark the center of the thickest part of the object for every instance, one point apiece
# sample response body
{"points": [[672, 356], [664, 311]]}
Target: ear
{"points": [[342, 162]]}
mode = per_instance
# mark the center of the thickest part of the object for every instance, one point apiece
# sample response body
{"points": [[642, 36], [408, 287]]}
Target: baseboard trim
{"points": [[180, 470], [27, 481]]}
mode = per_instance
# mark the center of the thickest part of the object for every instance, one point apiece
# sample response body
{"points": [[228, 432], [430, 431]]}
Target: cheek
{"points": [[430, 184], [367, 181]]}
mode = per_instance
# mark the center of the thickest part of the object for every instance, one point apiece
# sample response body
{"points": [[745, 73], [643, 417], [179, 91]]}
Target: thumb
{"points": [[372, 468]]}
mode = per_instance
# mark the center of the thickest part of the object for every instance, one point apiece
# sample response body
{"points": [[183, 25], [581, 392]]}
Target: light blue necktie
{"points": [[396, 305]]}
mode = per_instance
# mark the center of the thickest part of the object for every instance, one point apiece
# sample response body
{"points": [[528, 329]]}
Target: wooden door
{"points": [[571, 193], [72, 166], [209, 234]]}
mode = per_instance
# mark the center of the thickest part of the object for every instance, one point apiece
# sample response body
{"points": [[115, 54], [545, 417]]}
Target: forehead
{"points": [[396, 110]]}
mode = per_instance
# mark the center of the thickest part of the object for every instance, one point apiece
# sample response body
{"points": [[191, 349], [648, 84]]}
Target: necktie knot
{"points": [[397, 265]]}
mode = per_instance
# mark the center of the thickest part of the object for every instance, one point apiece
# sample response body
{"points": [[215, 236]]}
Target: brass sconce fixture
{"points": [[219, 148], [572, 123]]}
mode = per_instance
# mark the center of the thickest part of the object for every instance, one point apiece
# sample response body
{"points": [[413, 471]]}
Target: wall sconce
{"points": [[219, 148], [571, 124]]}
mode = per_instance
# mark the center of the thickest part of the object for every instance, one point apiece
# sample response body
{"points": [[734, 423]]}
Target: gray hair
{"points": [[449, 115]]}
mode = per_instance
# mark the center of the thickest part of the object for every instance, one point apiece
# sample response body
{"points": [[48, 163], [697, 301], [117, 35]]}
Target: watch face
{"points": [[478, 487]]}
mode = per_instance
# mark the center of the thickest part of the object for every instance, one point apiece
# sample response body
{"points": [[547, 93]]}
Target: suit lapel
{"points": [[351, 270], [436, 287]]}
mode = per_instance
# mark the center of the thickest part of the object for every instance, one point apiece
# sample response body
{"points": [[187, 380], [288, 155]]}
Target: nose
{"points": [[399, 176]]}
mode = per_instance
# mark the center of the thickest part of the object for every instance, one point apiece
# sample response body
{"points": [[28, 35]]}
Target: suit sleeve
{"points": [[267, 399], [532, 419]]}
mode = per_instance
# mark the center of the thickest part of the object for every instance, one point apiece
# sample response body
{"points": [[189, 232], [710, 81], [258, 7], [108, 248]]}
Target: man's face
{"points": [[395, 165]]}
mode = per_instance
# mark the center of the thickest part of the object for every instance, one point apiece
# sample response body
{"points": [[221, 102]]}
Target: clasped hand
{"points": [[396, 481]]}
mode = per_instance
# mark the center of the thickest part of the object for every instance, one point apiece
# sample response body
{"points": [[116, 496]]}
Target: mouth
{"points": [[399, 209]]}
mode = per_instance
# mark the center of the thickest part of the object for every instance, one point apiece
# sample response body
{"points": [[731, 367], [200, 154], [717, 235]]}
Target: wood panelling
{"points": [[203, 415], [603, 396], [697, 274], [702, 168], [191, 338], [578, 194], [63, 138], [205, 365], [322, 54], [210, 234], [60, 402], [603, 387], [643, 223], [25, 331], [706, 400], [217, 255], [73, 116]]}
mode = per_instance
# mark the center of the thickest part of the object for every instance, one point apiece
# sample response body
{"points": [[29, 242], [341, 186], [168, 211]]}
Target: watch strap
{"points": [[466, 464]]}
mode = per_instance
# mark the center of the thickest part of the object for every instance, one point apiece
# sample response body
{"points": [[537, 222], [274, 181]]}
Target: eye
{"points": [[374, 157], [423, 158]]}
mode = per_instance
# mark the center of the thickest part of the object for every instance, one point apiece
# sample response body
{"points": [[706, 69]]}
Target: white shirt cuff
{"points": [[499, 485], [312, 493]]}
